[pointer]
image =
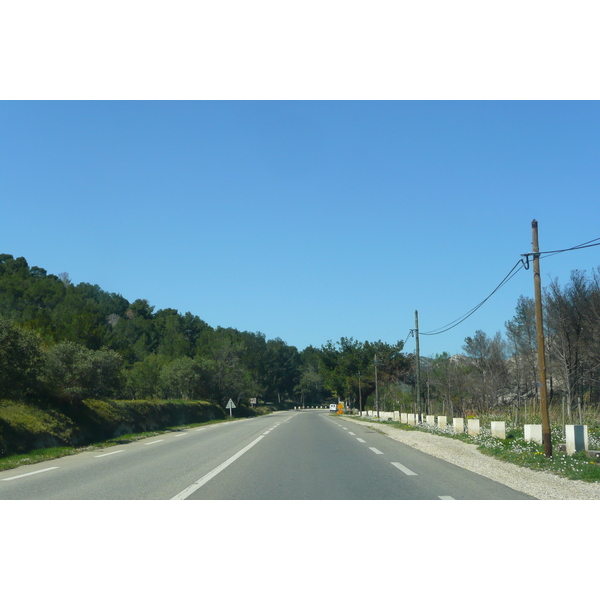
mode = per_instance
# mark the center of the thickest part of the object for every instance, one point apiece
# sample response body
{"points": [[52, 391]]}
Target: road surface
{"points": [[295, 455]]}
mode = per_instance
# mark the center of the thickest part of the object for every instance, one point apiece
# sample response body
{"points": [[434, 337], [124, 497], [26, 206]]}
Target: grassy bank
{"points": [[32, 433]]}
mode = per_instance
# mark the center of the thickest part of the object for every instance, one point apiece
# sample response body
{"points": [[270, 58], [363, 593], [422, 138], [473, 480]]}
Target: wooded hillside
{"points": [[65, 343]]}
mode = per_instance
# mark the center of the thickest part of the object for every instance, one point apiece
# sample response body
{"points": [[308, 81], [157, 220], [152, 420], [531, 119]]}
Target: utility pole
{"points": [[537, 284], [418, 367], [376, 390], [359, 397]]}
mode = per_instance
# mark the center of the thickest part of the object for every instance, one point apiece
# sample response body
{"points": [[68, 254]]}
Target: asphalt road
{"points": [[308, 455]]}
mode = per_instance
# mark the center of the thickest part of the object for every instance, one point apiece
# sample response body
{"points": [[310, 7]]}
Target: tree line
{"points": [[502, 370], [61, 342]]}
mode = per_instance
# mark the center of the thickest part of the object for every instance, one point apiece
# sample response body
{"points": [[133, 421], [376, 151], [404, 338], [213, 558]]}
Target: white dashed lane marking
{"points": [[404, 469], [361, 440], [28, 474], [108, 453], [445, 497], [375, 450]]}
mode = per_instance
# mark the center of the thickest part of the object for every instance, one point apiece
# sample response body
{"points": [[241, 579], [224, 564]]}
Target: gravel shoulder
{"points": [[544, 486]]}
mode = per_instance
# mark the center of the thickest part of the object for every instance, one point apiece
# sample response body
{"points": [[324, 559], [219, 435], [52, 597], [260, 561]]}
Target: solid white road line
{"points": [[195, 486], [404, 469], [445, 497], [108, 453], [28, 474], [376, 451]]}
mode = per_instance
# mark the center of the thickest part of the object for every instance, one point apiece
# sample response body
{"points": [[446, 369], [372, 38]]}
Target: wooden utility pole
{"points": [[537, 284], [418, 367], [376, 388], [359, 397]]}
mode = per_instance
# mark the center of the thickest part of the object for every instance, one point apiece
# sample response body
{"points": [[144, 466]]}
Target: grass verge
{"points": [[44, 454], [514, 449]]}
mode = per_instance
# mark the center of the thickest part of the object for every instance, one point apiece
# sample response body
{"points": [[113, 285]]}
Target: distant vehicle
{"points": [[333, 408]]}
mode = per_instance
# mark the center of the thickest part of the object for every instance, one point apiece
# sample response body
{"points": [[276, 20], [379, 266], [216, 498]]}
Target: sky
{"points": [[305, 220], [310, 171]]}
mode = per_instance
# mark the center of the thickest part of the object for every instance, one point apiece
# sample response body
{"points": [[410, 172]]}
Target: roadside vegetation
{"points": [[80, 365], [34, 432], [514, 449], [44, 454]]}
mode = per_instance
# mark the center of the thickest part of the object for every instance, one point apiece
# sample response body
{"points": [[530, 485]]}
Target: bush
{"points": [[21, 361], [73, 372]]}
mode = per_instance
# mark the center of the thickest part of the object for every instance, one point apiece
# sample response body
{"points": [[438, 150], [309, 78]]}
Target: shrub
{"points": [[21, 361], [73, 372]]}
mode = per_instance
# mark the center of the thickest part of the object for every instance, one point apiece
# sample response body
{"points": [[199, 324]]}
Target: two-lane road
{"points": [[307, 455]]}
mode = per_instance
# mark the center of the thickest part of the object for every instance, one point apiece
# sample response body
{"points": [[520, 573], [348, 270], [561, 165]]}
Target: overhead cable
{"points": [[521, 264], [518, 266], [549, 253]]}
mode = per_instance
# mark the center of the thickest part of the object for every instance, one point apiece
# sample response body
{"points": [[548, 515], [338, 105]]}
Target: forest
{"points": [[62, 343], [502, 371]]}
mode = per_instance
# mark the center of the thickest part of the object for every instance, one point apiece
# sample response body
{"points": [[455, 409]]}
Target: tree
{"points": [[183, 378], [440, 375], [143, 379], [74, 372], [173, 342], [341, 363], [522, 335], [135, 335], [79, 319], [489, 371], [21, 361], [570, 316], [222, 357], [279, 370]]}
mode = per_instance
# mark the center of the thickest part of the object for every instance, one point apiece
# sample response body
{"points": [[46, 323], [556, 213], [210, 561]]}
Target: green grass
{"points": [[514, 449], [36, 456], [44, 454], [35, 431]]}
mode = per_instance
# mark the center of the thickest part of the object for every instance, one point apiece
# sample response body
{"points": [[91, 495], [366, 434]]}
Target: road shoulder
{"points": [[544, 486]]}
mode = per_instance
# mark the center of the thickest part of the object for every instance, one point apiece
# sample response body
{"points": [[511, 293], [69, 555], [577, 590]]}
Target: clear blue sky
{"points": [[307, 221]]}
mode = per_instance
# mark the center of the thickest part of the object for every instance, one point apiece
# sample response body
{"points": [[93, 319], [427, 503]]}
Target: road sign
{"points": [[230, 405], [252, 400]]}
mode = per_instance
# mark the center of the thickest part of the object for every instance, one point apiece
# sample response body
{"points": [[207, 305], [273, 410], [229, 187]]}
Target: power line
{"points": [[520, 264], [549, 253]]}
